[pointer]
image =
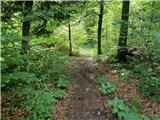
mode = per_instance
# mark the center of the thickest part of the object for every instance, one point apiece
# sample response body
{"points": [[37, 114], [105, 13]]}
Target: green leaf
{"points": [[62, 82], [58, 93], [131, 116], [115, 110]]}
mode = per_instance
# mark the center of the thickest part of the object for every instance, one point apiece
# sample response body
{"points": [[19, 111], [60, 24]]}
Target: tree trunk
{"points": [[122, 50], [100, 27], [26, 26], [70, 40]]}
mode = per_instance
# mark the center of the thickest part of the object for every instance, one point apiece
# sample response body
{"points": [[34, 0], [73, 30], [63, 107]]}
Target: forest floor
{"points": [[85, 102]]}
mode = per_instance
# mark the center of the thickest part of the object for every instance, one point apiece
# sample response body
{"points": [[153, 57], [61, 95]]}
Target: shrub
{"points": [[59, 93], [39, 104], [33, 75], [62, 81], [123, 111], [135, 104], [118, 107], [105, 87], [17, 78], [150, 86], [50, 65], [149, 80]]}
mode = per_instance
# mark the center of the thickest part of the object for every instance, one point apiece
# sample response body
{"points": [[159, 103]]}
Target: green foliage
{"points": [[13, 61], [44, 65], [49, 64], [135, 105], [132, 116], [125, 74], [102, 80], [17, 78], [151, 86], [59, 93], [41, 102], [156, 117], [105, 87], [10, 38], [62, 81], [33, 75], [89, 26], [118, 107], [147, 74], [150, 80], [154, 48], [37, 72], [123, 111]]}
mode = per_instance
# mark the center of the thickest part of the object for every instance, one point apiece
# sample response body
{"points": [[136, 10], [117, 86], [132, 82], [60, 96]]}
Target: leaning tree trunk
{"points": [[26, 26], [122, 50], [99, 50], [70, 39]]}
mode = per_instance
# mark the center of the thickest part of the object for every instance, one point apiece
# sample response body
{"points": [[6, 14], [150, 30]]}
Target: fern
{"points": [[118, 107], [62, 82], [102, 80], [58, 93], [131, 116], [105, 87], [41, 102]]}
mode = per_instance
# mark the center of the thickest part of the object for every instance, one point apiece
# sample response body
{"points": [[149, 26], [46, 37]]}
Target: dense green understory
{"points": [[142, 75], [131, 110], [33, 83]]}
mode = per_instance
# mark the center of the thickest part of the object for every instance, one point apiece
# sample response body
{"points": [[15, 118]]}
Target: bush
{"points": [[105, 87], [50, 65], [118, 107], [149, 79], [62, 82], [41, 79], [59, 93], [39, 104], [150, 86], [17, 78], [123, 111]]}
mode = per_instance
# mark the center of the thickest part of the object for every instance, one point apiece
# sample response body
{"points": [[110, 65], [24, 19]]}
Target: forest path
{"points": [[84, 101]]}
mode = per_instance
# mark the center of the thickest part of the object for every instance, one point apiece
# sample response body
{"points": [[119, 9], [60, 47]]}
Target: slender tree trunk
{"points": [[122, 50], [26, 26], [70, 39], [100, 27]]}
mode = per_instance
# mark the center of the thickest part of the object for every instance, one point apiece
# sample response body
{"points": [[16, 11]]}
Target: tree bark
{"points": [[100, 27], [70, 39], [26, 26], [122, 50]]}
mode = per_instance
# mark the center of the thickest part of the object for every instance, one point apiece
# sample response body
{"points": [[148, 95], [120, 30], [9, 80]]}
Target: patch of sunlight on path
{"points": [[87, 51]]}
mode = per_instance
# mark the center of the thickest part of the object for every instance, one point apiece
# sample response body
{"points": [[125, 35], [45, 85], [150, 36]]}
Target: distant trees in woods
{"points": [[44, 13], [122, 50]]}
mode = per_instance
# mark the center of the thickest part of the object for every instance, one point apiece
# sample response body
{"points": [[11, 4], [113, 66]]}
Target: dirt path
{"points": [[84, 101]]}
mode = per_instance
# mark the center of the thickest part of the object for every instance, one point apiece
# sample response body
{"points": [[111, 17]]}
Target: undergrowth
{"points": [[105, 87], [145, 72], [40, 78], [124, 112]]}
